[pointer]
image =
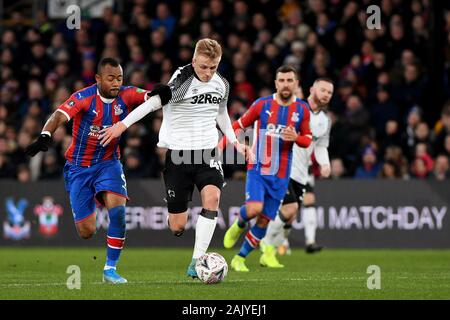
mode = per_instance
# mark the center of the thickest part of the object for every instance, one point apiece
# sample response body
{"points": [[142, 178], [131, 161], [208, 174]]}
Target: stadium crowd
{"points": [[381, 77]]}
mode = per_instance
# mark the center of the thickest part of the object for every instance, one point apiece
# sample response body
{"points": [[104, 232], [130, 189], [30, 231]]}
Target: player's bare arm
{"points": [[45, 138]]}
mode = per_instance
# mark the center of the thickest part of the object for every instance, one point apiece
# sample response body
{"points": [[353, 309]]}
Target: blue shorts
{"points": [[84, 185], [270, 190]]}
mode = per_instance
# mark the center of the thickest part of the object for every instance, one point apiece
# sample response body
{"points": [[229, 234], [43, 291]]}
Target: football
{"points": [[211, 268]]}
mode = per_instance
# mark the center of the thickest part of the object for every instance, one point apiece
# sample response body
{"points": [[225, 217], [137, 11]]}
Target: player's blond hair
{"points": [[209, 48]]}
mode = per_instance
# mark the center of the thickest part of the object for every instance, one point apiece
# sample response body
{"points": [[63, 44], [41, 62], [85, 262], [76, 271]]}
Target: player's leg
{"points": [[115, 235], [78, 185], [248, 211], [87, 227], [257, 232], [179, 187], [310, 222], [275, 232], [207, 220], [111, 192], [251, 242], [268, 258], [254, 194], [209, 181], [274, 236], [278, 231]]}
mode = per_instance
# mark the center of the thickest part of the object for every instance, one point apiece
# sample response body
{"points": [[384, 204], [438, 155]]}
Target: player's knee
{"points": [[211, 201], [309, 199], [289, 211], [254, 209], [177, 229], [86, 232]]}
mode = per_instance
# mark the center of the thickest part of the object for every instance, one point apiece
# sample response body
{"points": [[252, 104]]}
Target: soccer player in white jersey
{"points": [[198, 102], [301, 179]]}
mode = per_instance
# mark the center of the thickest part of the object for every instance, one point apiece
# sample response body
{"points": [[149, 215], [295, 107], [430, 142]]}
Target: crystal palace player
{"points": [[198, 103], [301, 185], [281, 120], [93, 173]]}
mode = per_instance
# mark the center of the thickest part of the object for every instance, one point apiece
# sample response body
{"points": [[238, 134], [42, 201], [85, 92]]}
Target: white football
{"points": [[211, 268]]}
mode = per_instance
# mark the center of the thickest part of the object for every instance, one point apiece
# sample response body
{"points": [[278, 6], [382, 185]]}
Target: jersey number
{"points": [[216, 164]]}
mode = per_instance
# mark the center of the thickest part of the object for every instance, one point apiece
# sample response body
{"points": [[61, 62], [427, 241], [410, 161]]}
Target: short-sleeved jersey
{"points": [[91, 113], [273, 155], [320, 125], [189, 119]]}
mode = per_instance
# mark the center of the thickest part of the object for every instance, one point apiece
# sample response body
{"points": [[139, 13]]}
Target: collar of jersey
{"points": [[274, 97], [105, 100]]}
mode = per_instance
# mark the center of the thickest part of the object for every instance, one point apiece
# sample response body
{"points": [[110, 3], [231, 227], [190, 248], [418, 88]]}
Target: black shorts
{"points": [[186, 168], [296, 191]]}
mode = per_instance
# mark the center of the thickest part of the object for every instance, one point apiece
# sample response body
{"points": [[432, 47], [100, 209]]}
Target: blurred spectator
{"points": [[134, 167], [6, 167], [370, 166], [383, 110], [391, 136], [422, 165], [189, 19], [395, 154], [390, 170], [23, 173], [441, 169], [164, 19], [337, 168], [50, 169], [357, 118], [413, 119], [442, 129]]}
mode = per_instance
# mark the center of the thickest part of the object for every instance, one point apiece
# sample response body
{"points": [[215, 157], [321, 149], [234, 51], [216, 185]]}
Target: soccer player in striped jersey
{"points": [[301, 185], [198, 103], [93, 174], [280, 120]]}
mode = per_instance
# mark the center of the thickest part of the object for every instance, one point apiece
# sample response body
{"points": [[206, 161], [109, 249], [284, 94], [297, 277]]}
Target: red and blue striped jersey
{"points": [[274, 155], [90, 114]]}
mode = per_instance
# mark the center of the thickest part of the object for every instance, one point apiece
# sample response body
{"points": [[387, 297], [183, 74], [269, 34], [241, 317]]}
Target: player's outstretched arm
{"points": [[159, 96], [44, 140]]}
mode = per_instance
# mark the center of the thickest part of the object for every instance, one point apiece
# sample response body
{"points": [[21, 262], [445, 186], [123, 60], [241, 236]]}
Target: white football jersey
{"points": [[320, 125], [189, 119]]}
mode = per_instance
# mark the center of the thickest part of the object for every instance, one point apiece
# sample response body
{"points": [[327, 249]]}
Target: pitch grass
{"points": [[32, 273]]}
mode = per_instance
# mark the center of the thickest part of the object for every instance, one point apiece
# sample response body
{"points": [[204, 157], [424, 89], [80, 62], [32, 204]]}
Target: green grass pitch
{"points": [[157, 273]]}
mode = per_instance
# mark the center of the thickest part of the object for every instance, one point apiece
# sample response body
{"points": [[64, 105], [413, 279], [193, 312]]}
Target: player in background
{"points": [[281, 120], [302, 181], [93, 173], [198, 103]]}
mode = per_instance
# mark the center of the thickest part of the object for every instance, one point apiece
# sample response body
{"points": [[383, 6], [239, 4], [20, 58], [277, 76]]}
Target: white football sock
{"points": [[274, 230], [310, 223], [204, 231], [287, 232]]}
